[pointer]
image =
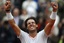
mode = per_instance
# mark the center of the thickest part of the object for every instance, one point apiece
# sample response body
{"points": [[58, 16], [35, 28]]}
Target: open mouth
{"points": [[31, 27]]}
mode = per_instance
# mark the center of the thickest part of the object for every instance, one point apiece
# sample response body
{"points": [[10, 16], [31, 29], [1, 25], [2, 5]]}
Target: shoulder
{"points": [[42, 33], [22, 34]]}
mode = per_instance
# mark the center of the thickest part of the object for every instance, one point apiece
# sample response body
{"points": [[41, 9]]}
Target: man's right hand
{"points": [[7, 6]]}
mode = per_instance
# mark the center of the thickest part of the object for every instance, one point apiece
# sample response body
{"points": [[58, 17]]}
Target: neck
{"points": [[33, 33]]}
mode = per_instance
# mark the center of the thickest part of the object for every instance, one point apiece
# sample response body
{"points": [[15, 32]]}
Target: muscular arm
{"points": [[48, 27], [14, 26], [7, 8]]}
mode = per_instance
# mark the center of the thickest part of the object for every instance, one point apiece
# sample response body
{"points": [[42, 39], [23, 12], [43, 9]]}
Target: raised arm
{"points": [[48, 27], [7, 8]]}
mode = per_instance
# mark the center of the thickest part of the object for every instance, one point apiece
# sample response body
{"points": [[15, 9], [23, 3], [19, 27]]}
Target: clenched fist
{"points": [[54, 6], [7, 6]]}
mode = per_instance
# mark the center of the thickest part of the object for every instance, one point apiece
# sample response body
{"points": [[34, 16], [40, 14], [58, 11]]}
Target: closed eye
{"points": [[31, 22]]}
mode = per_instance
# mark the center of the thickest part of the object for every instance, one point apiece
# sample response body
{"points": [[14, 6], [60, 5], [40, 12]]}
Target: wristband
{"points": [[53, 15], [9, 16]]}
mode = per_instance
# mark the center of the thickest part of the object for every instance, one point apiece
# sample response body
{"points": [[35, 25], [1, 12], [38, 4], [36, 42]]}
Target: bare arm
{"points": [[15, 27], [7, 8], [48, 27]]}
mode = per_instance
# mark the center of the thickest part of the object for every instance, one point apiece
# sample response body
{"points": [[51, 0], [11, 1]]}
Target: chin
{"points": [[32, 29]]}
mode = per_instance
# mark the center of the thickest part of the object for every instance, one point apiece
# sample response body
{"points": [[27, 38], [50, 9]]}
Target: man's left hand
{"points": [[54, 6]]}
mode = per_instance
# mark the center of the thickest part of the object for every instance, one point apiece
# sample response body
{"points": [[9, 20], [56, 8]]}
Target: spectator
{"points": [[31, 12], [41, 23], [18, 3], [29, 3], [24, 15], [17, 19], [6, 34]]}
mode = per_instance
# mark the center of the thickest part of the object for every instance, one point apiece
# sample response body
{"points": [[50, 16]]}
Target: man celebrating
{"points": [[31, 25]]}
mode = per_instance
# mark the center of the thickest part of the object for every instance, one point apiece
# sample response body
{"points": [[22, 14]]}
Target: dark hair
{"points": [[29, 19]]}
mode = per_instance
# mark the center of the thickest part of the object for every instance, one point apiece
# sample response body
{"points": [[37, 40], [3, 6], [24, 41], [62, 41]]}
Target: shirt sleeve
{"points": [[22, 34], [42, 34]]}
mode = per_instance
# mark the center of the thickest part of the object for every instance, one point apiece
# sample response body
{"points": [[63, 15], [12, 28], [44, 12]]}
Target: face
{"points": [[31, 25], [16, 12], [24, 12]]}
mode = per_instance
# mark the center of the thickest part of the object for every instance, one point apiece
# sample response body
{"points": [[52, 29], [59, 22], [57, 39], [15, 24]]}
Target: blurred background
{"points": [[41, 10]]}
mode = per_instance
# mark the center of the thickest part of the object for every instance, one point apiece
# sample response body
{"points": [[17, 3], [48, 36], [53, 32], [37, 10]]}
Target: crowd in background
{"points": [[41, 10]]}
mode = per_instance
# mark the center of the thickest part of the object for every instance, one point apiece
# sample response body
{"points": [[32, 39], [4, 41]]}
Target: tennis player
{"points": [[31, 25]]}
